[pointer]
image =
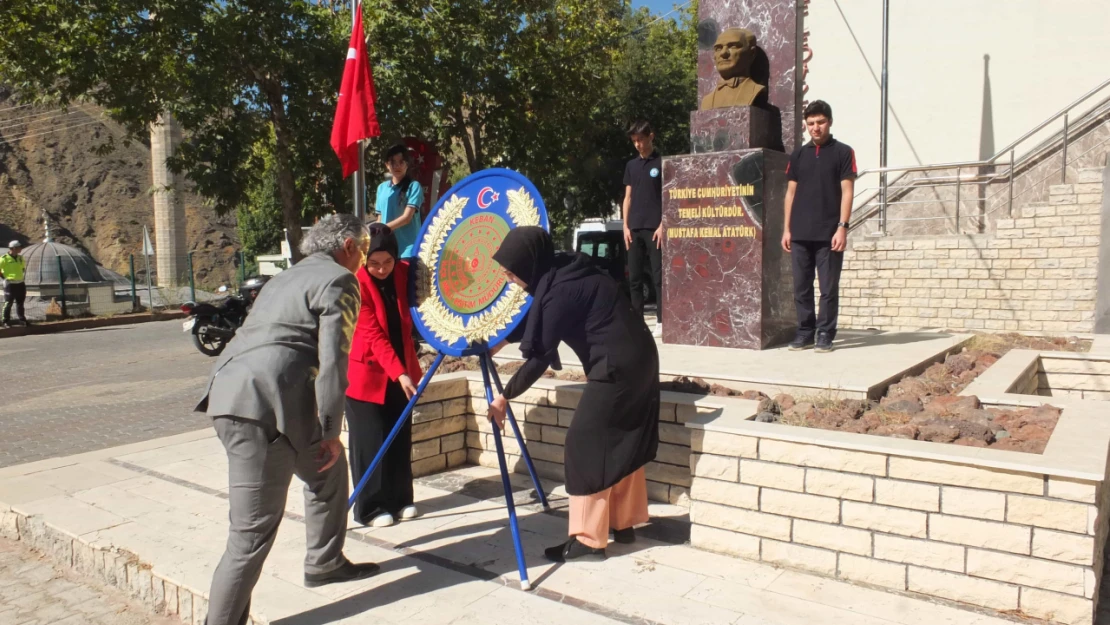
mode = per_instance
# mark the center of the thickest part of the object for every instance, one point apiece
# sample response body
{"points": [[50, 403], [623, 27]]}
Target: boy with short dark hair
{"points": [[398, 200], [643, 218], [818, 206]]}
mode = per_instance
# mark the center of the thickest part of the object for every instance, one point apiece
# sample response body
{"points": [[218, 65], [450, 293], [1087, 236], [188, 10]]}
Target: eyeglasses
{"points": [[377, 228]]}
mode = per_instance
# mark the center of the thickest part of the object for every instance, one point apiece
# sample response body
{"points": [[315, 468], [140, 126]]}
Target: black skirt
{"points": [[615, 429], [390, 488]]}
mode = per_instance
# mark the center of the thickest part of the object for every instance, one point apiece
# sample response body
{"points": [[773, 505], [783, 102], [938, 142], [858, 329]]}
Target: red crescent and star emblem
{"points": [[482, 202]]}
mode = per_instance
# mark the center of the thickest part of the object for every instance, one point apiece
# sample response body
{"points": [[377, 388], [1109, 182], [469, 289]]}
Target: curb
{"points": [[89, 324], [113, 566]]}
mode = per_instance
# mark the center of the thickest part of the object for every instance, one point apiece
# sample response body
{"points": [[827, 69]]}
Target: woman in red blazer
{"points": [[382, 376]]}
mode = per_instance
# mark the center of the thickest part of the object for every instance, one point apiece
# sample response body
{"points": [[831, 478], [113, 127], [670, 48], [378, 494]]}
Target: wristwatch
{"points": [[842, 224]]}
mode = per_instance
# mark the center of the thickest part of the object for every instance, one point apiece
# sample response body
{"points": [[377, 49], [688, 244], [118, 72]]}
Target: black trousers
{"points": [[642, 254], [390, 487], [807, 256], [14, 293]]}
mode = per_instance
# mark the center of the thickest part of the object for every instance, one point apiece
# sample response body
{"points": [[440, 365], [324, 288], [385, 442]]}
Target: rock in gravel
{"points": [[767, 417], [855, 407], [952, 404], [909, 405], [969, 442], [959, 363], [785, 402], [938, 431], [985, 360], [974, 430], [1009, 444], [723, 391], [1032, 433], [901, 430], [768, 405]]}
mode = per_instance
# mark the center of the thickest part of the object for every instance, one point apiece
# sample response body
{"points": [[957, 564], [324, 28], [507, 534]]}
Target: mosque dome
{"points": [[42, 265]]}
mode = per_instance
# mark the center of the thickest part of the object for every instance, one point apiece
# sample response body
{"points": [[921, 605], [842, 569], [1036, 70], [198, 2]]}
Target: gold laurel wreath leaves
{"points": [[522, 209], [486, 325], [445, 324]]}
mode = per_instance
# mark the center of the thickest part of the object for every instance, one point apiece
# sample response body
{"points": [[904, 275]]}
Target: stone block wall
{"points": [[115, 567], [1022, 543], [1036, 272], [103, 301], [1069, 377], [544, 416], [439, 425]]}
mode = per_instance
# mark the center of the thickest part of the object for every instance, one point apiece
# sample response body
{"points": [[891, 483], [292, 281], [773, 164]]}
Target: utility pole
{"points": [[358, 192], [884, 89]]}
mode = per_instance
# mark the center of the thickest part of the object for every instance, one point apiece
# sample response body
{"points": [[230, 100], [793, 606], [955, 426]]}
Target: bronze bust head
{"points": [[733, 54]]}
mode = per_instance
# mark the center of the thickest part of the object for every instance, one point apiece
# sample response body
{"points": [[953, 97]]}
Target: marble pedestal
{"points": [[726, 280], [732, 128]]}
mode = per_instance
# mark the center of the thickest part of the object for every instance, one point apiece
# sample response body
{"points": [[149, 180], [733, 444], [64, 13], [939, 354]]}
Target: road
{"points": [[73, 392]]}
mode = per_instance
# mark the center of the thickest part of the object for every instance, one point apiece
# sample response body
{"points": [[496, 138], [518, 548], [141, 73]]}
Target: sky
{"points": [[657, 6]]}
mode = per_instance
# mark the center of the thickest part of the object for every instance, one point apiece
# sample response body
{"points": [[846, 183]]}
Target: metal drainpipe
{"points": [[884, 89]]}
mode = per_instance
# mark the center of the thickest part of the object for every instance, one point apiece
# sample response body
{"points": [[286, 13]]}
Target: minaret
{"points": [[169, 203]]}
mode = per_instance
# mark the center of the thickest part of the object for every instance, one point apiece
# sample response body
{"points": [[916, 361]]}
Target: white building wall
{"points": [[1043, 55]]}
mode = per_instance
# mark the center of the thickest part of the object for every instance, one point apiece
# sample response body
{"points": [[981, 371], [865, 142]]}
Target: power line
{"points": [[12, 108], [31, 115], [677, 8], [46, 132], [12, 123]]}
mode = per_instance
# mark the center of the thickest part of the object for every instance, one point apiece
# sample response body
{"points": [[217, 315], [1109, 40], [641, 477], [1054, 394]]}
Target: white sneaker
{"points": [[409, 513], [384, 519], [658, 331]]}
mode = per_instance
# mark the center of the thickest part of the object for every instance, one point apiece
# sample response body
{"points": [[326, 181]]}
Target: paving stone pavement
{"points": [[75, 392], [33, 592]]}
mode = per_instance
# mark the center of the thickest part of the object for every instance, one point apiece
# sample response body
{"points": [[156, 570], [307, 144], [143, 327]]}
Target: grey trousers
{"points": [[261, 463]]}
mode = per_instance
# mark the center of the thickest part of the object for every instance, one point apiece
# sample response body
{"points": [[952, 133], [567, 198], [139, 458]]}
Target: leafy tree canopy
{"points": [[546, 87]]}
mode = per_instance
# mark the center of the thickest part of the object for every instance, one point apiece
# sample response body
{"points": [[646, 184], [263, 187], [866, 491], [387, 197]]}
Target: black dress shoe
{"points": [[574, 550], [626, 536], [349, 572]]}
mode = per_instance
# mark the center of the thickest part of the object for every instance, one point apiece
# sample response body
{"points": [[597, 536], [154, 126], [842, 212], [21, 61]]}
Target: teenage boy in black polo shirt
{"points": [[643, 218], [819, 193]]}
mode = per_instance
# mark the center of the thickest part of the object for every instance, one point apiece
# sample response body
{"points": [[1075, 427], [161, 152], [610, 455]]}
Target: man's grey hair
{"points": [[329, 234]]}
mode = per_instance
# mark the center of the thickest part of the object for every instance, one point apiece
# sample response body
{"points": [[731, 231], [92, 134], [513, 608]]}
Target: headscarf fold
{"points": [[529, 253], [382, 239]]}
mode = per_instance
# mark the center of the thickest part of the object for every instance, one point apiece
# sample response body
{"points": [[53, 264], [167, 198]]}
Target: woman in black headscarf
{"points": [[382, 375], [615, 431]]}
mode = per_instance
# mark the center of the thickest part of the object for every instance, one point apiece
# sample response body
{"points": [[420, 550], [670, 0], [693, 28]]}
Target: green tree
{"points": [[546, 87], [504, 81], [234, 72], [654, 77], [259, 216]]}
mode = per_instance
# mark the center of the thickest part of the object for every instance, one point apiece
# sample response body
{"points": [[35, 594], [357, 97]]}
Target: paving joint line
{"points": [[427, 558]]}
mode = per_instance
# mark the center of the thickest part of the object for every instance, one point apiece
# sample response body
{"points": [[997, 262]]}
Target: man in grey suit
{"points": [[276, 400]]}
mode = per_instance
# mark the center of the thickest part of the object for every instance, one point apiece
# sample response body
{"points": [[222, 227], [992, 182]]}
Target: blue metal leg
{"points": [[488, 365], [513, 525], [396, 429]]}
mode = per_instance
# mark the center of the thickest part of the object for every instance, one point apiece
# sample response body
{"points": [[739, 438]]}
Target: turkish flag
{"points": [[355, 118]]}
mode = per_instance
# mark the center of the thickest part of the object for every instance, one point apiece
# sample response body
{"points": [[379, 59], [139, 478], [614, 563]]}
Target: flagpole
{"points": [[359, 179]]}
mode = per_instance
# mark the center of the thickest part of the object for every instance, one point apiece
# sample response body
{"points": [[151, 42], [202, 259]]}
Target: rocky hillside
{"points": [[99, 203]]}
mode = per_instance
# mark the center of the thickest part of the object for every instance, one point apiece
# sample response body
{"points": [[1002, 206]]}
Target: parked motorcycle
{"points": [[213, 324]]}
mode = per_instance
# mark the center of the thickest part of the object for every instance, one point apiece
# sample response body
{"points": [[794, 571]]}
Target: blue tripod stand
{"points": [[489, 371]]}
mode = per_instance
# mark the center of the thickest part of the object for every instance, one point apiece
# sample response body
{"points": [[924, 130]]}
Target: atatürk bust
{"points": [[733, 54]]}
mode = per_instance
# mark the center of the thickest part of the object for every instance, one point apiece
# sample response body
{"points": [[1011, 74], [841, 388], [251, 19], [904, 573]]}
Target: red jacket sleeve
{"points": [[373, 333]]}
